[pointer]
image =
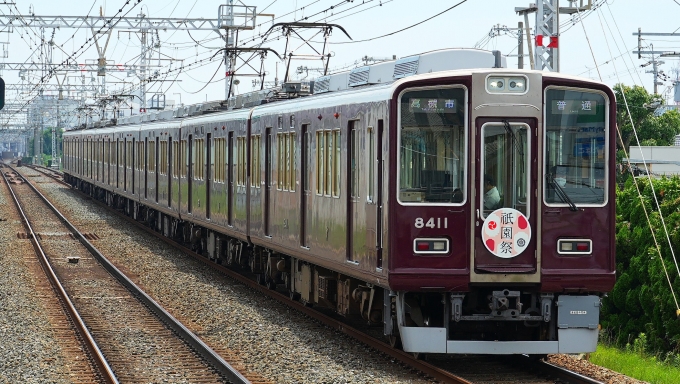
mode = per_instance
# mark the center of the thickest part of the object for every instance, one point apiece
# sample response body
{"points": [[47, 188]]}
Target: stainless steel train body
{"points": [[374, 201]]}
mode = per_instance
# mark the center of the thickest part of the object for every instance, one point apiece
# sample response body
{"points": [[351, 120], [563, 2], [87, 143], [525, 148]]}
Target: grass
{"points": [[637, 365]]}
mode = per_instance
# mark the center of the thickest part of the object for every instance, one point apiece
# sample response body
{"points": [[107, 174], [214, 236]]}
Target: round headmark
{"points": [[506, 233]]}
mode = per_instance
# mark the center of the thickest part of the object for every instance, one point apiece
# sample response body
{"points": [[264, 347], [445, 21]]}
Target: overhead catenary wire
{"points": [[578, 12], [74, 55], [403, 29]]}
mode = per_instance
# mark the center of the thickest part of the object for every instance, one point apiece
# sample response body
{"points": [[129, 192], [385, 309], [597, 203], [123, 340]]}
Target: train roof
{"points": [[370, 83]]}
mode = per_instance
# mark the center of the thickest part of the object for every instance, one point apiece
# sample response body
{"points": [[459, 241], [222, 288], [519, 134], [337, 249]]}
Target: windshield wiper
{"points": [[561, 193]]}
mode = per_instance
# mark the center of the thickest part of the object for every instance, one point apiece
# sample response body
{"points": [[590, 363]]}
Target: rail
{"points": [[214, 359], [95, 353]]}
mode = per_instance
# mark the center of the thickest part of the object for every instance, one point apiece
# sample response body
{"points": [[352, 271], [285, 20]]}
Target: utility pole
{"points": [[520, 45], [654, 62], [142, 69], [233, 18], [547, 54]]}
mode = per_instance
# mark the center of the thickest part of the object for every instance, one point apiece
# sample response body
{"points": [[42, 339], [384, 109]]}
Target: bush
{"points": [[639, 313]]}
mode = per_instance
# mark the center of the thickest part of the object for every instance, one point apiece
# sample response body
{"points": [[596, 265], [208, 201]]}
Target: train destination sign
{"points": [[574, 107], [432, 105], [506, 233]]}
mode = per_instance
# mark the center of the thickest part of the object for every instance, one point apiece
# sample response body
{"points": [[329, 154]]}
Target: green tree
{"points": [[641, 301], [47, 141], [661, 129]]}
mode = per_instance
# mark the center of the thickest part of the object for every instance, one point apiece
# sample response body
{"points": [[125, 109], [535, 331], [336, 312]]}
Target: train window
{"points": [[255, 173], [308, 152], [183, 156], [175, 159], [128, 154], [241, 161], [198, 159], [329, 162], [218, 159], [202, 161], [194, 158], [354, 157], [320, 145], [291, 161], [140, 156], [243, 164], [505, 164], [286, 161], [371, 165], [285, 167], [575, 147], [163, 158], [151, 158], [279, 163], [223, 159], [336, 166], [433, 153]]}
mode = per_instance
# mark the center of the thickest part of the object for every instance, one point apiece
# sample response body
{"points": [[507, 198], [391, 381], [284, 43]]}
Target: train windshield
{"points": [[575, 147], [506, 155], [432, 146]]}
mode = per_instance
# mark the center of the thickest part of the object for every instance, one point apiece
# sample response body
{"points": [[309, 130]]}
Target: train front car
{"points": [[502, 235]]}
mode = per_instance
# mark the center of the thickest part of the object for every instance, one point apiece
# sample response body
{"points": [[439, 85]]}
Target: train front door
{"points": [[505, 181]]}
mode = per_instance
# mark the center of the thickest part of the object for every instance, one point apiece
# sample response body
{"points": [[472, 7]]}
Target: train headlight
{"points": [[495, 84], [506, 84]]}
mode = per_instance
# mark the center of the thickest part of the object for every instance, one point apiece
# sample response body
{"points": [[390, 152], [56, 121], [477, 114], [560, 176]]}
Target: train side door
{"points": [[230, 179], [505, 231], [267, 180], [190, 171], [171, 168], [156, 167], [146, 167], [209, 161], [352, 186], [305, 192], [378, 160]]}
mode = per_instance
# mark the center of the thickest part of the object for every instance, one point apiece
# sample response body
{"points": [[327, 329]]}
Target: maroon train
{"points": [[466, 207]]}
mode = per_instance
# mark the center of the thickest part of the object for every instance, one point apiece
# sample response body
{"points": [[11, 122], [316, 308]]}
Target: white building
{"points": [[660, 160]]}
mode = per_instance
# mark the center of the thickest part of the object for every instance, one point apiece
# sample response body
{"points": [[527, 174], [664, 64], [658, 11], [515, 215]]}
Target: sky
{"points": [[599, 48]]}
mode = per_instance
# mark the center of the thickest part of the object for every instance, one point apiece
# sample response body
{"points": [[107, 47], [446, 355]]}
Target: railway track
{"points": [[449, 369], [128, 336]]}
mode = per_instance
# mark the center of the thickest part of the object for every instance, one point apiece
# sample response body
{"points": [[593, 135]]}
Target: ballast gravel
{"points": [[29, 351]]}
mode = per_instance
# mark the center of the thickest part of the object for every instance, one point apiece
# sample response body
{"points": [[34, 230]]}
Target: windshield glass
{"points": [[505, 181], [575, 146], [432, 155]]}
